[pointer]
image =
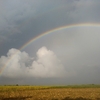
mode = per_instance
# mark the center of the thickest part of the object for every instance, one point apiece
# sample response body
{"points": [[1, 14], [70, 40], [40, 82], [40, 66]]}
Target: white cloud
{"points": [[20, 64]]}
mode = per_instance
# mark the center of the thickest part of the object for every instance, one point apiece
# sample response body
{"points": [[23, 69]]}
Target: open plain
{"points": [[83, 92]]}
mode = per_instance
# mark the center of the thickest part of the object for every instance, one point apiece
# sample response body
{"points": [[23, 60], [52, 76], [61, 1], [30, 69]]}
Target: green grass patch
{"points": [[23, 88]]}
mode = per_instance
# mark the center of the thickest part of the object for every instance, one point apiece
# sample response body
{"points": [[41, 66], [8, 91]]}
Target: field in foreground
{"points": [[50, 92]]}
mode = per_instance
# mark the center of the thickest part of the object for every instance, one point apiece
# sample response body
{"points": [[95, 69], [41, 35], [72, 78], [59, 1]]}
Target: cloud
{"points": [[20, 64]]}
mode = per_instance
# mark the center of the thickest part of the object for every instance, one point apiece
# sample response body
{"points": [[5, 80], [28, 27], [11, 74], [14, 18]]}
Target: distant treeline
{"points": [[56, 86]]}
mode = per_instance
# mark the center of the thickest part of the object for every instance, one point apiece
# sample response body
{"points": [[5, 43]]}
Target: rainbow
{"points": [[58, 29], [49, 32]]}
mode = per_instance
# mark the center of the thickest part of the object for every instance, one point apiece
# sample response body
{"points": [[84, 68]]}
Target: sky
{"points": [[68, 55]]}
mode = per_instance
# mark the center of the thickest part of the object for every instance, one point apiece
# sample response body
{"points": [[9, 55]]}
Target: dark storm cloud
{"points": [[22, 20]]}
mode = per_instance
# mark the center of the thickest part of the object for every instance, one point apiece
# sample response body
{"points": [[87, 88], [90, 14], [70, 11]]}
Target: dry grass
{"points": [[48, 93]]}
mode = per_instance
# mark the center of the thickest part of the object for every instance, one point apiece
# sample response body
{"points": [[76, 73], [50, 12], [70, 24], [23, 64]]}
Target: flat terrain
{"points": [[91, 92]]}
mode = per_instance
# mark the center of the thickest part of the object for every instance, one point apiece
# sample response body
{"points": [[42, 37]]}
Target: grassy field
{"points": [[70, 92]]}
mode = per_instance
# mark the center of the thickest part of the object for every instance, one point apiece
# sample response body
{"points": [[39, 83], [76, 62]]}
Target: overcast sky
{"points": [[67, 56]]}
